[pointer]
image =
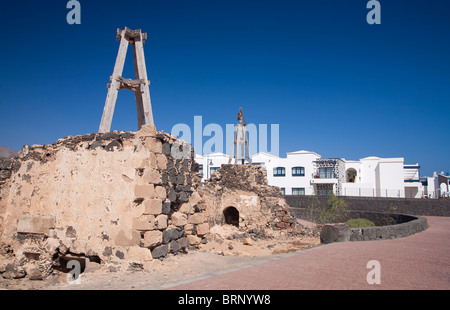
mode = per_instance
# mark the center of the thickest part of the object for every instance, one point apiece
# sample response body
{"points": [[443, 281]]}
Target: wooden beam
{"points": [[141, 71], [110, 103]]}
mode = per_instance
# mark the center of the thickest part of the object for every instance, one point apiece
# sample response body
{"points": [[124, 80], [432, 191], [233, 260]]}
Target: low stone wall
{"points": [[408, 228], [389, 226], [420, 207]]}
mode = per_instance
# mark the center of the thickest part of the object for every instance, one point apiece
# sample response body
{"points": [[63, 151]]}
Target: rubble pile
{"points": [[256, 205]]}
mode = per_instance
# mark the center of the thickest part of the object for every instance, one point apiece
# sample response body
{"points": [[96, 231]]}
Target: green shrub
{"points": [[334, 212], [360, 222]]}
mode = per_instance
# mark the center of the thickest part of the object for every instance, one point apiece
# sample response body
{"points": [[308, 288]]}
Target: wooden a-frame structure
{"points": [[140, 85]]}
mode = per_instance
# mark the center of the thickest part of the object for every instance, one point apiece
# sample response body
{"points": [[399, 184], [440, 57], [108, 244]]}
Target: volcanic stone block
{"points": [[183, 243], [160, 251], [335, 233], [180, 179], [172, 195], [95, 145], [183, 196], [113, 145], [108, 136], [172, 234], [165, 178], [174, 246], [166, 207], [166, 148]]}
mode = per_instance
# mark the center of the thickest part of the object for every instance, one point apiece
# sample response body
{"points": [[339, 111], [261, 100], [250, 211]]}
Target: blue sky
{"points": [[335, 85]]}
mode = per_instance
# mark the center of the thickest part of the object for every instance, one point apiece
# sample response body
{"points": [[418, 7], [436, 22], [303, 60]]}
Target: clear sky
{"points": [[335, 84]]}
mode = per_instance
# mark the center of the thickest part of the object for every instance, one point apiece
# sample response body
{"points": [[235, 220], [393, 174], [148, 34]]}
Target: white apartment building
{"points": [[436, 186], [306, 173]]}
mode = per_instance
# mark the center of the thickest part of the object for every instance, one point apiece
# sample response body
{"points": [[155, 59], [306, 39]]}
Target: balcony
{"points": [[325, 177]]}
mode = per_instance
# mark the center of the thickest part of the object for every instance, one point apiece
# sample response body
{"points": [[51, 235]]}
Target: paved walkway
{"points": [[421, 261]]}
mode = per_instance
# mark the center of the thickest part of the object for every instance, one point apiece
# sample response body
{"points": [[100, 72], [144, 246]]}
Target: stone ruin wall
{"points": [[245, 188], [122, 198], [119, 196]]}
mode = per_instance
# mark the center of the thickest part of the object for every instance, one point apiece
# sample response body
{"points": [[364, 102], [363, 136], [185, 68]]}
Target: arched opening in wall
{"points": [[231, 215], [350, 175]]}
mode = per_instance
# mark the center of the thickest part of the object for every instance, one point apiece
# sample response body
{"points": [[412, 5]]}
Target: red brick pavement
{"points": [[421, 261]]}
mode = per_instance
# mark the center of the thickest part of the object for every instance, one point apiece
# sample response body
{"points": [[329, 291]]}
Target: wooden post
{"points": [[108, 111], [140, 86]]}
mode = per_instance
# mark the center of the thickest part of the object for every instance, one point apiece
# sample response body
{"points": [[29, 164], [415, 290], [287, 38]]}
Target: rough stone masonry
{"points": [[122, 199], [240, 195], [113, 197]]}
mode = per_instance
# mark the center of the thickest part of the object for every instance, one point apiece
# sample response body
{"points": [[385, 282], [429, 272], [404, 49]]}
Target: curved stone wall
{"points": [[389, 225], [410, 226]]}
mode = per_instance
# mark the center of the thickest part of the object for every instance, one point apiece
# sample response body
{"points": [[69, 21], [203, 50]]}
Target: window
{"points": [[298, 191], [213, 169], [298, 171], [326, 173], [200, 170], [283, 191], [279, 172]]}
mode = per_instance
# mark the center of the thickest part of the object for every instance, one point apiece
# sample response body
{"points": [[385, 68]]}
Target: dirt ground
{"points": [[226, 249]]}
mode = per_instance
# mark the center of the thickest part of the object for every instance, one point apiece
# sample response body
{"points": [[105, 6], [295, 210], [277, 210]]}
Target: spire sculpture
{"points": [[240, 139]]}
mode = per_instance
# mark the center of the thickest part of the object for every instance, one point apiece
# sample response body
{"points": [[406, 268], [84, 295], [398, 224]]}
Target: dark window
{"points": [[298, 171], [279, 172], [326, 173], [298, 191]]}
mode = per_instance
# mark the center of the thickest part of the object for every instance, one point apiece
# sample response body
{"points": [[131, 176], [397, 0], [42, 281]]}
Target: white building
{"points": [[306, 173], [436, 186]]}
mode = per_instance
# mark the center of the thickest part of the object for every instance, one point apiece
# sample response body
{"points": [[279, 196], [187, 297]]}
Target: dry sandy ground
{"points": [[220, 255]]}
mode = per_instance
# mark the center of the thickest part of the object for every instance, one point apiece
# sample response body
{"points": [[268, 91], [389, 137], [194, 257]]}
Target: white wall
{"points": [[391, 181], [296, 159]]}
